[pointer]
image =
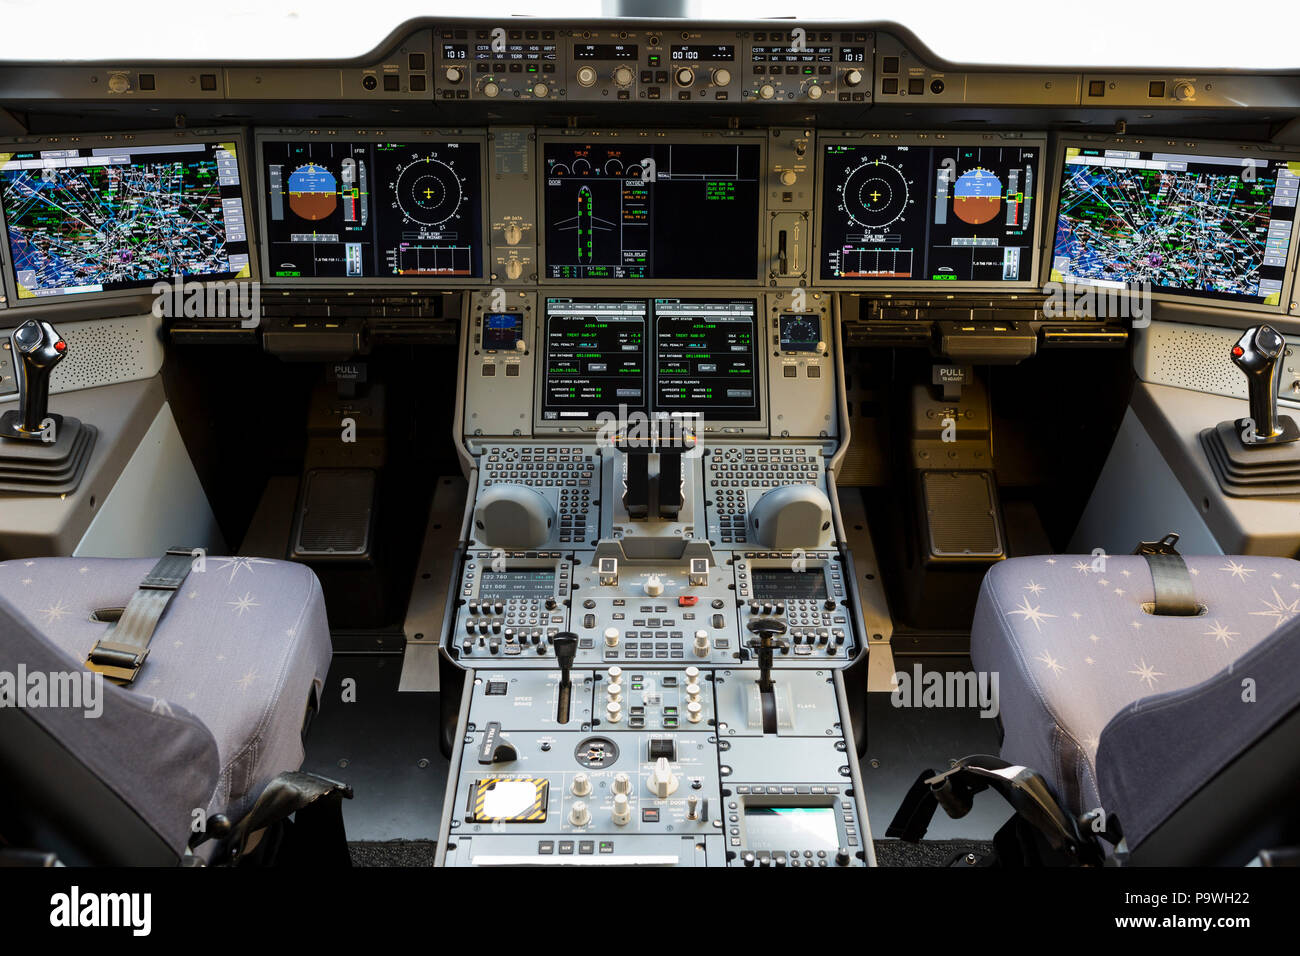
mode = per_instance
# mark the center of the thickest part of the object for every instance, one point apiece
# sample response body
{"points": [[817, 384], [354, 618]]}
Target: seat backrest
{"points": [[114, 779], [1211, 773]]}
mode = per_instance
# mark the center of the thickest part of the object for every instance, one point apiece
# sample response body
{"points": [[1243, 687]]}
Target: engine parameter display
{"points": [[109, 218], [928, 213], [651, 211], [372, 210], [1192, 224]]}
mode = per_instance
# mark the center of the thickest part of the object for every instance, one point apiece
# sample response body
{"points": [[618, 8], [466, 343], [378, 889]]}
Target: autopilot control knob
{"points": [[587, 76], [622, 811], [852, 77], [814, 93], [654, 585], [663, 782], [491, 89], [684, 76], [622, 783], [766, 91], [454, 74], [721, 77], [579, 815], [581, 785], [541, 91], [623, 76]]}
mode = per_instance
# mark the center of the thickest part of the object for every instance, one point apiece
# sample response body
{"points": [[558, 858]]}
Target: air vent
{"points": [[1190, 356]]}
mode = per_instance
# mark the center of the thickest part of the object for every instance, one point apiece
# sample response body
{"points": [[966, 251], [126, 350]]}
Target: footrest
{"points": [[960, 517], [335, 514]]}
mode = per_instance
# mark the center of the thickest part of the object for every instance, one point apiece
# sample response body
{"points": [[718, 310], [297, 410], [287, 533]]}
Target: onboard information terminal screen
{"points": [[1199, 225], [112, 218]]}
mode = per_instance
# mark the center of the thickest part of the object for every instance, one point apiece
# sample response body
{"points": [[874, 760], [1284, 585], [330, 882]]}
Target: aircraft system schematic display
{"points": [[651, 211], [339, 210], [942, 213], [1192, 224], [113, 218], [701, 358]]}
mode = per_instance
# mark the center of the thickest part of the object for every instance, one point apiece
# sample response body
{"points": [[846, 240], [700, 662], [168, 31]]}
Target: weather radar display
{"points": [[1189, 224], [927, 213], [122, 217], [338, 210]]}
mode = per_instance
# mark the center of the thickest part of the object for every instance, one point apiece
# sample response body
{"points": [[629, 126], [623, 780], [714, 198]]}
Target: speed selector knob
{"points": [[623, 76], [586, 76], [622, 812], [581, 785], [622, 783], [579, 815], [685, 76], [662, 782], [852, 77]]}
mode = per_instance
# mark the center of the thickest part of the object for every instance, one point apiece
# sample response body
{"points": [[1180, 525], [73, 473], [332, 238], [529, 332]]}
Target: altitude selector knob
{"points": [[684, 76]]}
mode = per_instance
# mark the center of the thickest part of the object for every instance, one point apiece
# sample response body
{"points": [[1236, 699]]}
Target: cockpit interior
{"points": [[648, 442]]}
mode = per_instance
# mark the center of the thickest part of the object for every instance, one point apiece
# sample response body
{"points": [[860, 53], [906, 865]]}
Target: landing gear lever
{"points": [[36, 348], [1257, 353]]}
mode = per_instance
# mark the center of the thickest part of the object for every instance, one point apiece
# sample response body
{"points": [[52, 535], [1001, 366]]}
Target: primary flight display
{"points": [[920, 213]]}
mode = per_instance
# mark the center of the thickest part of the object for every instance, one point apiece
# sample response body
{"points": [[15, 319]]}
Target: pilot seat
{"points": [[221, 662]]}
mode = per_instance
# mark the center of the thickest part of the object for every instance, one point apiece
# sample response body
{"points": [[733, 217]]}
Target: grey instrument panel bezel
{"points": [[1220, 148], [236, 134], [886, 138], [478, 135], [719, 427], [757, 137]]}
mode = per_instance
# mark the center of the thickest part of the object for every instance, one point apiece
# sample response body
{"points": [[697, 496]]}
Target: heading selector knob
{"points": [[623, 76]]}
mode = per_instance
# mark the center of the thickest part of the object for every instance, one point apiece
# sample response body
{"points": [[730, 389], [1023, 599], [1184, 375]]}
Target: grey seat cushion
{"points": [[1073, 647], [244, 645]]}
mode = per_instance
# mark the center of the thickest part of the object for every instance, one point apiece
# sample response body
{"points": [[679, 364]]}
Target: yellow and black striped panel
{"points": [[533, 812]]}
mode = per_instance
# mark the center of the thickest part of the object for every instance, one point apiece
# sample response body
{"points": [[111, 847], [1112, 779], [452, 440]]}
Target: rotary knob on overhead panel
{"points": [[587, 76], [623, 76], [579, 815], [622, 783], [581, 785], [662, 782]]}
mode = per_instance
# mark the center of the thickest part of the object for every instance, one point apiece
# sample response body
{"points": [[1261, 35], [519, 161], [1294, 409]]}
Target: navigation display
{"points": [[929, 213], [340, 210], [624, 356], [111, 218], [651, 211], [1193, 224]]}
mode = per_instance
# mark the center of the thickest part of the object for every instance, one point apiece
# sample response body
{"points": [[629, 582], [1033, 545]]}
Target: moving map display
{"points": [[928, 213], [112, 218], [338, 210], [1193, 224], [651, 211]]}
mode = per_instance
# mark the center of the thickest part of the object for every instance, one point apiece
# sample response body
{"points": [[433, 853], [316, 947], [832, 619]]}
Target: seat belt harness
{"points": [[120, 653]]}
